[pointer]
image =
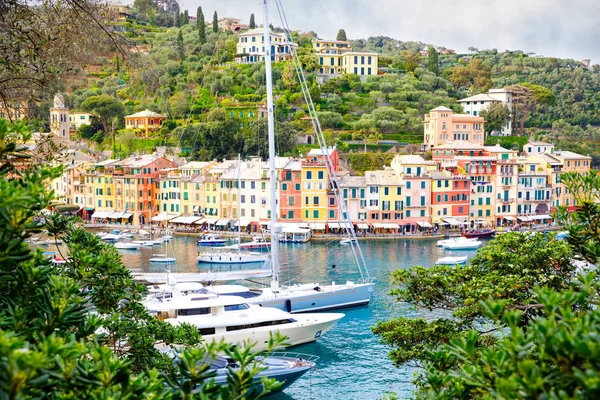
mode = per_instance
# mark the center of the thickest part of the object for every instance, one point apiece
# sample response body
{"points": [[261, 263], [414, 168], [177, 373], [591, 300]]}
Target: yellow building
{"points": [[336, 57], [250, 47], [14, 110], [385, 199], [314, 188]]}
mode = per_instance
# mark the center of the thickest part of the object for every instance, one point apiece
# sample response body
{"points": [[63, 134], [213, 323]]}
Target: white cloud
{"points": [[560, 28]]}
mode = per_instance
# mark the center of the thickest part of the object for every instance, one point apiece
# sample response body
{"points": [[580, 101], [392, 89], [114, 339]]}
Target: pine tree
{"points": [[341, 35], [201, 25], [432, 61], [180, 47], [177, 19], [252, 23], [215, 22], [186, 18]]}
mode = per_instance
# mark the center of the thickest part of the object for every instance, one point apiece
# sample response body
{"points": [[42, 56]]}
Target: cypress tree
{"points": [[177, 19], [432, 61], [341, 35], [180, 48], [186, 18], [252, 23], [201, 25], [215, 23]]}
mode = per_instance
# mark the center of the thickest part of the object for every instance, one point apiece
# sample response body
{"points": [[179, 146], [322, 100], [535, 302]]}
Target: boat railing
{"points": [[293, 354]]}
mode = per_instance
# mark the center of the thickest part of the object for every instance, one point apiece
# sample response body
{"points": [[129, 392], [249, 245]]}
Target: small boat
{"points": [[110, 237], [469, 244], [211, 240], [451, 260], [485, 234], [347, 241], [562, 235], [257, 243], [444, 242], [236, 257], [127, 246], [285, 367], [148, 242], [162, 258]]}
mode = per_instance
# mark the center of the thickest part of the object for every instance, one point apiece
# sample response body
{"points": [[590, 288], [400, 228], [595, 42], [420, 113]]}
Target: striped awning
{"points": [[185, 219]]}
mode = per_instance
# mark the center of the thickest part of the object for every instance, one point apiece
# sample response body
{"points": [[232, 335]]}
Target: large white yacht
{"points": [[231, 319]]}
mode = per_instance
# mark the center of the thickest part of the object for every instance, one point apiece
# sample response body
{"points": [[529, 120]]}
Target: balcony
{"points": [[314, 163]]}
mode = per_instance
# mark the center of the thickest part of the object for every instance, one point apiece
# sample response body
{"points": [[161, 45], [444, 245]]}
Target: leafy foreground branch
{"points": [[79, 330]]}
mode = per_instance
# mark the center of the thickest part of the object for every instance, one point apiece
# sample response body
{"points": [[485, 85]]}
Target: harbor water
{"points": [[353, 363]]}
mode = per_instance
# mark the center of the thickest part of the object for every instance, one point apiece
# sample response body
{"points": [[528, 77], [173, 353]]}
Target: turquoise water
{"points": [[353, 364]]}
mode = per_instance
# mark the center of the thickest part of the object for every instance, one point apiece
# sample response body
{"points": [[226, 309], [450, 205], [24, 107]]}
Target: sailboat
{"points": [[231, 256], [312, 296], [163, 257]]}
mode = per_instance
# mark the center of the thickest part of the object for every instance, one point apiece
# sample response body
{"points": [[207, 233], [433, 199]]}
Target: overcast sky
{"points": [[560, 28]]}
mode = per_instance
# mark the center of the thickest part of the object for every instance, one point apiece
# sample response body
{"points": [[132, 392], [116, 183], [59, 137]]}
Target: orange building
{"points": [[443, 126], [144, 122], [290, 206]]}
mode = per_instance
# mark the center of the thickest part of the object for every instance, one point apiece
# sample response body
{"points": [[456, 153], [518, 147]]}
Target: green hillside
{"points": [[170, 70]]}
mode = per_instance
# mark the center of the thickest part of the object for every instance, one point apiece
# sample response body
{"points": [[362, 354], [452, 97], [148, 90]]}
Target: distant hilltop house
{"points": [[77, 118], [336, 57], [59, 119], [145, 122], [233, 24], [251, 47], [474, 104], [442, 126]]}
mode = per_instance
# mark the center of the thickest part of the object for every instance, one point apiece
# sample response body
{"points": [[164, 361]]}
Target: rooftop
{"points": [[146, 113], [478, 97], [569, 155], [441, 108], [459, 144]]}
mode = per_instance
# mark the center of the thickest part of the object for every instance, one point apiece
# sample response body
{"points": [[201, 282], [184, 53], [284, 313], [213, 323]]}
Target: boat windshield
{"points": [[235, 307]]}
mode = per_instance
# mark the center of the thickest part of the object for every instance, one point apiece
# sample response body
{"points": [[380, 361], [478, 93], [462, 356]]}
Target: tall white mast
{"points": [[275, 228], [239, 213]]}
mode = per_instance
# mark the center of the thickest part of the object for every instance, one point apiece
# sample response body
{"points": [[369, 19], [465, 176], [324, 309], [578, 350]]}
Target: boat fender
{"points": [[317, 288], [288, 305]]}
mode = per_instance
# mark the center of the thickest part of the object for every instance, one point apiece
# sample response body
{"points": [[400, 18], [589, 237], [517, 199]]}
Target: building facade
{"points": [[442, 126]]}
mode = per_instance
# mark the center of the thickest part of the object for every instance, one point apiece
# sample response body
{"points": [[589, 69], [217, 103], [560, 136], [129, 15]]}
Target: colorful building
{"points": [[290, 200], [250, 47], [336, 57], [442, 126], [145, 122], [449, 198]]}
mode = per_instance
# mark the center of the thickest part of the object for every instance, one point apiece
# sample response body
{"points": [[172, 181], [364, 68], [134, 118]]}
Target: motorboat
{"points": [[285, 367], [347, 240], [232, 257], [110, 237], [461, 239], [231, 319], [469, 244], [294, 234], [211, 239], [562, 235], [257, 243], [451, 260], [484, 234], [127, 246], [148, 242]]}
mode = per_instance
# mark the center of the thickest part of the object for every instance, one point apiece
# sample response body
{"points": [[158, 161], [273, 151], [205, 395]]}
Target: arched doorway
{"points": [[309, 139], [541, 208]]}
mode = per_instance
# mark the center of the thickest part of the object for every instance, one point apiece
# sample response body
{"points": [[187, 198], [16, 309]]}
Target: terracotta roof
{"points": [[146, 113]]}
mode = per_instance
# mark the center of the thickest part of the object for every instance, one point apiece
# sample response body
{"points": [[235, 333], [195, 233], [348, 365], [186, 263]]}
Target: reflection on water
{"points": [[353, 364]]}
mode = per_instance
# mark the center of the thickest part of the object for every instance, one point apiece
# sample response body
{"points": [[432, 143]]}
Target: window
{"points": [[316, 200], [386, 190], [398, 190], [320, 175], [284, 186], [331, 214], [308, 174], [316, 214], [408, 185], [332, 201]]}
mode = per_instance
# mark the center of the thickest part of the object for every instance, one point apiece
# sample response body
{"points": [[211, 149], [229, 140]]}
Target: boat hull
{"points": [[480, 235], [329, 298], [211, 243], [231, 258]]}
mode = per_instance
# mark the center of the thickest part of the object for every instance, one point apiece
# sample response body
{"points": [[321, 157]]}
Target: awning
{"points": [[509, 218], [185, 219], [334, 225], [163, 217], [424, 224], [384, 225], [126, 214], [363, 227], [243, 222], [196, 209], [523, 219], [303, 224], [101, 214], [540, 217], [120, 215], [317, 226], [452, 221], [208, 221], [222, 222]]}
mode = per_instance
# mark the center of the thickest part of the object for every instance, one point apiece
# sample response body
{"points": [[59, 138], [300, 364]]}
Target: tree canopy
{"points": [[341, 35]]}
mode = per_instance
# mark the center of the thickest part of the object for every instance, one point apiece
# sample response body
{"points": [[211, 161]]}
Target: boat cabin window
{"points": [[194, 311], [235, 307], [206, 331], [260, 324]]}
